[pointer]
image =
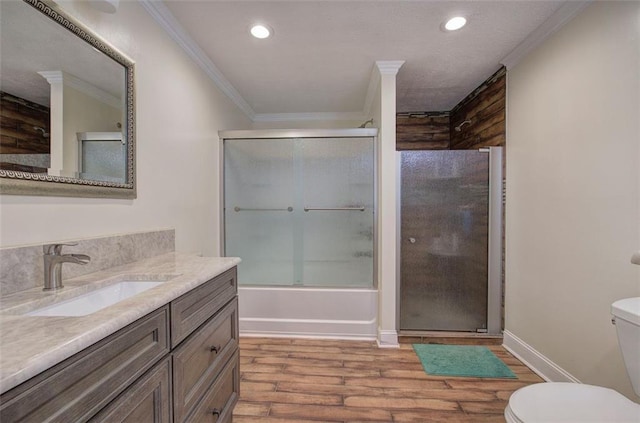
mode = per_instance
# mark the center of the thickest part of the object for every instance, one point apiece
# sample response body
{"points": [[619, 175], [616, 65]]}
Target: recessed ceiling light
{"points": [[455, 23], [260, 31]]}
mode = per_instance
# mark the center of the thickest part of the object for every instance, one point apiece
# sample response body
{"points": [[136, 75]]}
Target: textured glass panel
{"points": [[103, 161], [36, 160], [444, 238], [338, 244], [268, 185], [259, 187]]}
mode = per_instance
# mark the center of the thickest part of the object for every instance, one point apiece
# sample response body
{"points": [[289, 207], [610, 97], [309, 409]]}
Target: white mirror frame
{"points": [[25, 183]]}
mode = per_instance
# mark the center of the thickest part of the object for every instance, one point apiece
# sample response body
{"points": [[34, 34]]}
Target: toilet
{"points": [[578, 403]]}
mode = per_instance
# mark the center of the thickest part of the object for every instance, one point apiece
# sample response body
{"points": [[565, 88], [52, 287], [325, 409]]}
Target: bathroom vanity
{"points": [[169, 354]]}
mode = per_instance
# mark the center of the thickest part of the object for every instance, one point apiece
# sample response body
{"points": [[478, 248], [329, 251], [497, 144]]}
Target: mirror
{"points": [[67, 107]]}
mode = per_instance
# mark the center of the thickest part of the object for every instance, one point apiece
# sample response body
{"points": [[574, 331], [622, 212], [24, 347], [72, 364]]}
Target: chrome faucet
{"points": [[53, 259]]}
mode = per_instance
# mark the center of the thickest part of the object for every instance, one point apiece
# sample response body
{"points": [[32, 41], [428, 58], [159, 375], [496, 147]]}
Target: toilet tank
{"points": [[627, 319]]}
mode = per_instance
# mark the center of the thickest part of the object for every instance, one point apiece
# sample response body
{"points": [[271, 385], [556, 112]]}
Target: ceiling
{"points": [[321, 59], [31, 42]]}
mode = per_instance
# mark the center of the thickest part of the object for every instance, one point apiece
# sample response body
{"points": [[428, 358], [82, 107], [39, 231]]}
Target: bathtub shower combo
{"points": [[299, 209]]}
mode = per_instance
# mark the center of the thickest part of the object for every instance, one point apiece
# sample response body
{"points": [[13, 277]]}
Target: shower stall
{"points": [[299, 210], [451, 241]]}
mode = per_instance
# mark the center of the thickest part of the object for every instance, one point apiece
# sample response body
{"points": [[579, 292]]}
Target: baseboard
{"points": [[536, 361], [308, 328], [387, 339], [330, 337]]}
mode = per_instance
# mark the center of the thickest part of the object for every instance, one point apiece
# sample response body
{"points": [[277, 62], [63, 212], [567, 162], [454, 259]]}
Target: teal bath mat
{"points": [[461, 360]]}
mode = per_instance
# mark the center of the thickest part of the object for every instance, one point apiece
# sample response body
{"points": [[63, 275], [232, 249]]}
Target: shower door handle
{"points": [[334, 209], [239, 209]]}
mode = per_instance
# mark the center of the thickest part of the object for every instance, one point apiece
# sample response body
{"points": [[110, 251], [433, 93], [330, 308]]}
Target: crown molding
{"points": [[389, 67], [162, 15], [52, 77], [560, 17], [293, 117], [168, 22], [381, 68], [374, 82], [57, 77]]}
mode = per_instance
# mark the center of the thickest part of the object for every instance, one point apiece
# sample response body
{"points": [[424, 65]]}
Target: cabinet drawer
{"points": [[217, 405], [199, 359], [80, 386], [195, 307], [147, 401]]}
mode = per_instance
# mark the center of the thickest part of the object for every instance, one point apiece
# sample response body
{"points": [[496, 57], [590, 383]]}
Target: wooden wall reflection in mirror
{"points": [[66, 107]]}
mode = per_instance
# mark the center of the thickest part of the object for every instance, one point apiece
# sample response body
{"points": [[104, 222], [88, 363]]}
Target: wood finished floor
{"points": [[311, 381]]}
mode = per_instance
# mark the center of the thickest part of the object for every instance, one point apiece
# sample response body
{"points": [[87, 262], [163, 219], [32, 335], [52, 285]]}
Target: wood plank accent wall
{"points": [[422, 131], [18, 117], [485, 108]]}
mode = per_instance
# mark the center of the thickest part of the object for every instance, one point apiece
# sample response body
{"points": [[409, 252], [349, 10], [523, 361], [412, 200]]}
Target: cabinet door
{"points": [[198, 361], [146, 401], [217, 405]]}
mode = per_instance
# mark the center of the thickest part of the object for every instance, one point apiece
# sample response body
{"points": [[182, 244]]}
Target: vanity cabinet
{"points": [[207, 343], [175, 364], [82, 385], [201, 358]]}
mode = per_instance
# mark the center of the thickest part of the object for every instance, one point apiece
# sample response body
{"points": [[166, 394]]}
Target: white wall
{"points": [[179, 112], [84, 113], [573, 191]]}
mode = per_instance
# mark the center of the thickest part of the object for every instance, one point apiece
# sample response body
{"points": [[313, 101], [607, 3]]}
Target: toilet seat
{"points": [[570, 402]]}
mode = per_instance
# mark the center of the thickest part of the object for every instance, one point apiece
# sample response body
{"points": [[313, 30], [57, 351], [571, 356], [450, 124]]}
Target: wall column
{"points": [[387, 207], [56, 136]]}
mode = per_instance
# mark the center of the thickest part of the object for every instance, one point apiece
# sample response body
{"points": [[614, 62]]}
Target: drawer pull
{"points": [[216, 412], [215, 349]]}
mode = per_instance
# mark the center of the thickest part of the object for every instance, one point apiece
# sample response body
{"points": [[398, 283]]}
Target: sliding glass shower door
{"points": [[337, 193], [299, 211], [259, 188]]}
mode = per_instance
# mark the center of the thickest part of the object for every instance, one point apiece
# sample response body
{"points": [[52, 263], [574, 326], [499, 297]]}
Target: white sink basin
{"points": [[93, 301]]}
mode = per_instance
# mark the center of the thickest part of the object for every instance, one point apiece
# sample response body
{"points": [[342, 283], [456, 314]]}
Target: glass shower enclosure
{"points": [[299, 207], [450, 240]]}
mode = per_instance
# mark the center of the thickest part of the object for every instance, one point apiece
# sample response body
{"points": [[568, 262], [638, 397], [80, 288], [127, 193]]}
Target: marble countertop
{"points": [[32, 344]]}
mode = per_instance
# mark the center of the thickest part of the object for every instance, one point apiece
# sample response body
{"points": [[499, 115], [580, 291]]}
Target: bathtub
{"points": [[308, 312]]}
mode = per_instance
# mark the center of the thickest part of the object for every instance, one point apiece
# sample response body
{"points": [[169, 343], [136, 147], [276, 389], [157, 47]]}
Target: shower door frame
{"points": [[495, 244], [269, 134]]}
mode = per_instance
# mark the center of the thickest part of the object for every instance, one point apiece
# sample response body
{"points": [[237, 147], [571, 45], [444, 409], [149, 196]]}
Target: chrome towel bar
{"points": [[334, 209]]}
